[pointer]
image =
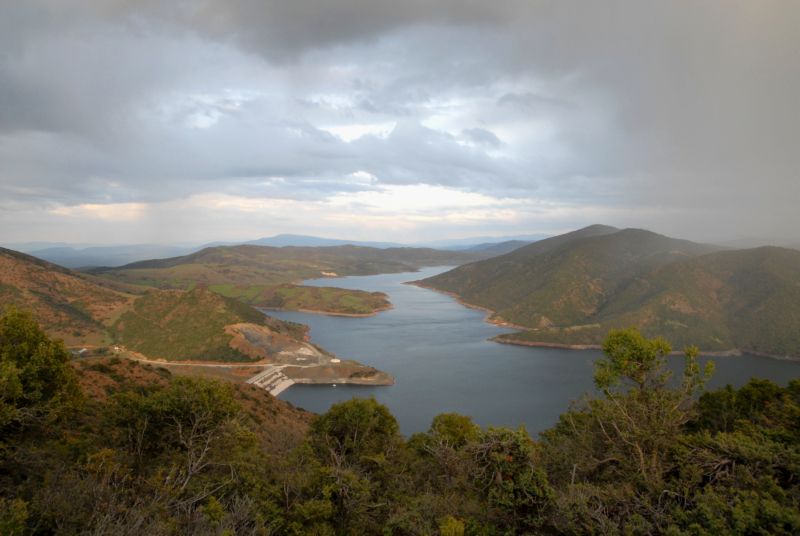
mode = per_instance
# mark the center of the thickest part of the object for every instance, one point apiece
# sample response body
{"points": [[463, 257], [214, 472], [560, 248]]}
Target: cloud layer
{"points": [[150, 121]]}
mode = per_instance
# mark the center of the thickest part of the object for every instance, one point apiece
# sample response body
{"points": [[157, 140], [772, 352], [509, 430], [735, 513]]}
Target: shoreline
{"points": [[345, 381], [275, 379], [328, 313], [733, 352], [488, 318]]}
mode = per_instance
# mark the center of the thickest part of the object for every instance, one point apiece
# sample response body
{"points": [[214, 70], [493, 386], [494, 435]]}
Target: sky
{"points": [[189, 121]]}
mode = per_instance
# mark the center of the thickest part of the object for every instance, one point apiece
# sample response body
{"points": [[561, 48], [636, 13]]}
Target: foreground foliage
{"points": [[184, 456]]}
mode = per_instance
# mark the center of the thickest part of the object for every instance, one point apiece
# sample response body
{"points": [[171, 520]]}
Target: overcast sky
{"points": [[198, 120]]}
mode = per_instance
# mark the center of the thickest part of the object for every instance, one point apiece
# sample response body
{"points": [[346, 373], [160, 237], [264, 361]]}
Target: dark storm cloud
{"points": [[278, 28], [687, 107]]}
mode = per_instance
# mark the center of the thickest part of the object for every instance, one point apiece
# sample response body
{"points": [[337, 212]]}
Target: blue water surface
{"points": [[439, 354]]}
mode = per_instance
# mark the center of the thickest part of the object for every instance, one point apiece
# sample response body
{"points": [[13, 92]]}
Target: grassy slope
{"points": [[177, 325], [565, 280], [294, 297], [575, 291], [258, 275], [261, 265], [74, 307], [85, 310], [746, 299]]}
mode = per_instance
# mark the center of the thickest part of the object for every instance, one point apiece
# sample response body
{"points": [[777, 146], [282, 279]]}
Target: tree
{"points": [[516, 491], [354, 429], [37, 383], [641, 416], [357, 443], [454, 430], [613, 457]]}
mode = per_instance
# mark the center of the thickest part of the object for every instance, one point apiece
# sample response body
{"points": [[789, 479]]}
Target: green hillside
{"points": [[263, 265], [264, 276], [330, 300], [564, 280], [88, 311], [177, 325], [572, 292]]}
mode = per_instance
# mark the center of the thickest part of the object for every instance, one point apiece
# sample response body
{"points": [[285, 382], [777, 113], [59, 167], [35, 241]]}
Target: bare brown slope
{"points": [[71, 306]]}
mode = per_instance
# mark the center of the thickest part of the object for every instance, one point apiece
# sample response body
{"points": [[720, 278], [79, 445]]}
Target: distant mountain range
{"points": [[479, 242], [750, 243], [92, 256], [571, 289], [315, 241], [89, 256], [71, 257]]}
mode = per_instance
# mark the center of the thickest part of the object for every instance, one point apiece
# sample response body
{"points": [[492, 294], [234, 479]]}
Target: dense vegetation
{"points": [[139, 452], [574, 288]]}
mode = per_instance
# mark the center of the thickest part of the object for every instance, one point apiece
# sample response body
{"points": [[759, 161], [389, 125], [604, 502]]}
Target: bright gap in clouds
{"points": [[351, 132], [399, 213], [414, 199]]}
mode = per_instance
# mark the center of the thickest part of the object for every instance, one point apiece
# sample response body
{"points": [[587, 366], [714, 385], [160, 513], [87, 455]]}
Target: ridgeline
{"points": [[572, 289]]}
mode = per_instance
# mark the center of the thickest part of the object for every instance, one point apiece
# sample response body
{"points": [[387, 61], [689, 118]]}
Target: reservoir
{"points": [[439, 354]]}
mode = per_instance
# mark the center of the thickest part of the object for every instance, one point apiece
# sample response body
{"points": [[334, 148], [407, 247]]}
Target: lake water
{"points": [[439, 354]]}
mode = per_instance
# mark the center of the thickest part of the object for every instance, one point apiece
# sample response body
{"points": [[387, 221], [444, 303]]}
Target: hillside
{"points": [[259, 275], [89, 311], [263, 265], [177, 325], [572, 289], [276, 424], [499, 248], [74, 307], [328, 300], [558, 280], [167, 325]]}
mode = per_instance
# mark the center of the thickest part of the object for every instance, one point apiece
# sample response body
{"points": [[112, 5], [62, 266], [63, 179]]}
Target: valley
{"points": [[242, 314], [444, 357]]}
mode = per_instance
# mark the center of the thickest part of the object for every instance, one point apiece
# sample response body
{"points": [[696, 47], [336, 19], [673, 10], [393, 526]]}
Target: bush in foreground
{"points": [[182, 457]]}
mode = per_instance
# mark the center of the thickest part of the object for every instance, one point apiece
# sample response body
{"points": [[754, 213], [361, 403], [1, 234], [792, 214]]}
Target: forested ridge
{"points": [[574, 288], [108, 446]]}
